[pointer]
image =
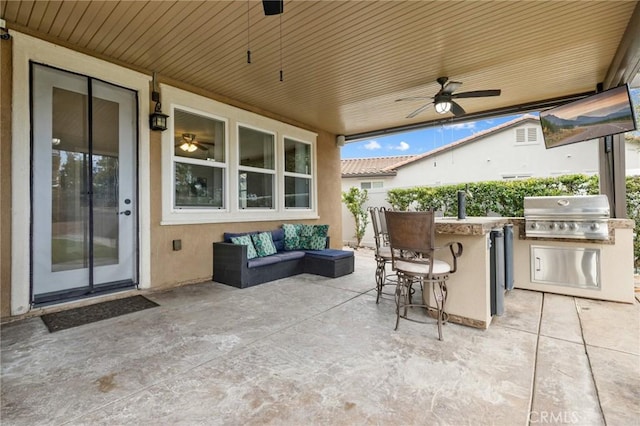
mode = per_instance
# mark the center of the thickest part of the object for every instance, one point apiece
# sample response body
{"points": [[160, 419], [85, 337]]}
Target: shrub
{"points": [[506, 198], [354, 199]]}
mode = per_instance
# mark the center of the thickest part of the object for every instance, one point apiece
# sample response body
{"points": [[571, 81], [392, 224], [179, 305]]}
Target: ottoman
{"points": [[329, 262]]}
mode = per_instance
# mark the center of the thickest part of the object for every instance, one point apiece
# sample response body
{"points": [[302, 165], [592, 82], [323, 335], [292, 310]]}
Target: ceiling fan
{"points": [[443, 100], [273, 7], [190, 144]]}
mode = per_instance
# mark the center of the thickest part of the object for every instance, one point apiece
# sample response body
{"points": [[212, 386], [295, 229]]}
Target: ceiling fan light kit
{"points": [[443, 107], [443, 100], [188, 147], [190, 144]]}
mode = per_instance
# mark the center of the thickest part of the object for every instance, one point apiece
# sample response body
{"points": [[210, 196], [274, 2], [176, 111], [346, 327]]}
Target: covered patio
{"points": [[313, 350]]}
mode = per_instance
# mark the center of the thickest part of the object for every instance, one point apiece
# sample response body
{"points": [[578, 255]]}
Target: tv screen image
{"points": [[605, 113]]}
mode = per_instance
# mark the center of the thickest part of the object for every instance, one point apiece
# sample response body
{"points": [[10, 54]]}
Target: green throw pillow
{"points": [[264, 244], [291, 236], [245, 240], [314, 237]]}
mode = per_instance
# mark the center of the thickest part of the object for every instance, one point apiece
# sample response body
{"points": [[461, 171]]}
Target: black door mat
{"points": [[100, 311]]}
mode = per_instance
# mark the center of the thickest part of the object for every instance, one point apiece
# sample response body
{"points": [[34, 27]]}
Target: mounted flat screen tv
{"points": [[605, 113]]}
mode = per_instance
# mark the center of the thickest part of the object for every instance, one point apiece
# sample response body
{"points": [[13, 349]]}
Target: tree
{"points": [[354, 199]]}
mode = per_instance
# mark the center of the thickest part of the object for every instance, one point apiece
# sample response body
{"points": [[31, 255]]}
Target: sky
{"points": [[418, 141]]}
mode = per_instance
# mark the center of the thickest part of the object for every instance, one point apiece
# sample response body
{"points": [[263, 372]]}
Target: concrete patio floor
{"points": [[312, 350]]}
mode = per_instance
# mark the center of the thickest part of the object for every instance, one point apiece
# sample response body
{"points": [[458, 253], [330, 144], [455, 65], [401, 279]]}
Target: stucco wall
{"points": [[160, 267], [194, 262]]}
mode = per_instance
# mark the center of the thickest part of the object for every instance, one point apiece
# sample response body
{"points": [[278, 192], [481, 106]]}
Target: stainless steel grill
{"points": [[580, 217]]}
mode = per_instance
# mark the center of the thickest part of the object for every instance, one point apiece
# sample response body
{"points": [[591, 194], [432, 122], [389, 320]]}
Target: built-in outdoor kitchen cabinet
{"points": [[566, 266]]}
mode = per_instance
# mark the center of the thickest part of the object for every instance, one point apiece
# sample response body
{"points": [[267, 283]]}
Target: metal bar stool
{"points": [[412, 242], [383, 251]]}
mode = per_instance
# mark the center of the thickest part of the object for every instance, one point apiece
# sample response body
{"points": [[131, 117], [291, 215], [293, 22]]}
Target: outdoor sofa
{"points": [[232, 264]]}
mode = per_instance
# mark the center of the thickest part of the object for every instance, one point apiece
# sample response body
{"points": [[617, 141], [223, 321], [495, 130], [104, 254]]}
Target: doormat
{"points": [[100, 311]]}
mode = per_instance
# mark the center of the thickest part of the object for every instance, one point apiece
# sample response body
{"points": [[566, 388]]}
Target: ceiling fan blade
{"points": [[450, 87], [477, 94], [201, 146], [419, 110], [456, 109], [414, 98]]}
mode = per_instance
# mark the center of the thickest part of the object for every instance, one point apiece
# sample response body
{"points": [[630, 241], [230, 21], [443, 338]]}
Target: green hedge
{"points": [[506, 198]]}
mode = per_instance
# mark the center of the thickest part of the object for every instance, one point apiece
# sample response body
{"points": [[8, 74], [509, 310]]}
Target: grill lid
{"points": [[571, 206]]}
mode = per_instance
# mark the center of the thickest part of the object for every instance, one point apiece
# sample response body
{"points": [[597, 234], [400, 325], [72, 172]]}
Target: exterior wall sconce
{"points": [[157, 120]]}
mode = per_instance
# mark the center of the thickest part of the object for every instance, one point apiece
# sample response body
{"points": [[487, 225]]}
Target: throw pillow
{"points": [[264, 244], [246, 241], [291, 236], [314, 237]]}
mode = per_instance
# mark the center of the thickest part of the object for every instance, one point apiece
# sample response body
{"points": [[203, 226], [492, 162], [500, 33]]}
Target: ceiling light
{"points": [[188, 146], [443, 107]]}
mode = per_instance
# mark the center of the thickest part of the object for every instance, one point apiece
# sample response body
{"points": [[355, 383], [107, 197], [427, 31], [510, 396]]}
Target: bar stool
{"points": [[412, 243], [383, 251]]}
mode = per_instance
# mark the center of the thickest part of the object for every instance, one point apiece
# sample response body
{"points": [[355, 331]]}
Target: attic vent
{"points": [[528, 134]]}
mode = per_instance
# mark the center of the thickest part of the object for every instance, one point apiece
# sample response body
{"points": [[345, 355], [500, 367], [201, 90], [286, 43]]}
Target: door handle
{"points": [[126, 212], [538, 264]]}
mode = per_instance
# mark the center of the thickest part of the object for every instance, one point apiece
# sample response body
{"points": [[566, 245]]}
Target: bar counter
{"points": [[469, 300]]}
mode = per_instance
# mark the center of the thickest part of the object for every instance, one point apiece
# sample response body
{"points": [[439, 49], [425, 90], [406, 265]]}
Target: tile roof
{"points": [[387, 166], [377, 166]]}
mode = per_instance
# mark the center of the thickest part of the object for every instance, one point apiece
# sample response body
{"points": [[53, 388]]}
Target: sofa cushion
{"points": [[313, 237], [278, 238], [263, 261], [290, 255], [330, 254], [246, 240], [291, 236], [263, 243]]}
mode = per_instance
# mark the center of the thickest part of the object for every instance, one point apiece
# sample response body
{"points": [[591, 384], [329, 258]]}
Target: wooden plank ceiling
{"points": [[345, 63]]}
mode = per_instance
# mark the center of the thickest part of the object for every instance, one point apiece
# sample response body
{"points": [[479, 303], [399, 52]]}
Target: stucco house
{"points": [[512, 150], [97, 197]]}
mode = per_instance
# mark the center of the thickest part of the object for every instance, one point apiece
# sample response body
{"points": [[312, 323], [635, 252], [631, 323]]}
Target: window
{"points": [[371, 185], [256, 171], [199, 161], [297, 174], [223, 164], [526, 135]]}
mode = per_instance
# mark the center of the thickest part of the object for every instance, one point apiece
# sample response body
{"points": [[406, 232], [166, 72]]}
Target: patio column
{"points": [[624, 68]]}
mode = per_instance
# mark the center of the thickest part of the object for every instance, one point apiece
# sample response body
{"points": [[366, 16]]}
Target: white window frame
{"points": [[173, 98], [310, 175], [273, 172], [198, 162]]}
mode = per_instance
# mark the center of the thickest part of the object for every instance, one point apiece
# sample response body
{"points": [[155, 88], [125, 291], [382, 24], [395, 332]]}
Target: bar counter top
{"points": [[472, 225]]}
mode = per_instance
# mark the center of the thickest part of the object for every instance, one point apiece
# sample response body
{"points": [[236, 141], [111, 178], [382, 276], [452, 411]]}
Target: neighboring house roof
{"points": [[373, 167], [469, 139]]}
